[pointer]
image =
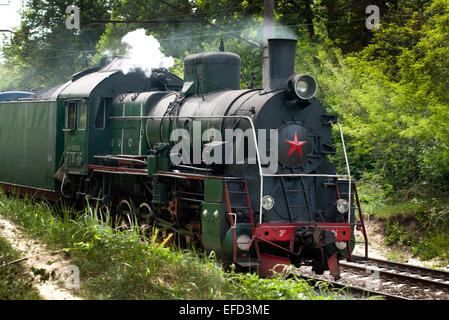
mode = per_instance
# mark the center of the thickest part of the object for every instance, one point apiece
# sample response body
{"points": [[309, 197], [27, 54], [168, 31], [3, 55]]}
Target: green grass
{"points": [[406, 208], [15, 283], [125, 265], [379, 203]]}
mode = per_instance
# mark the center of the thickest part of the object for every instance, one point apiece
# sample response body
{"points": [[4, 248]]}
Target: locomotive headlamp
{"points": [[243, 242], [267, 202], [342, 205], [304, 86]]}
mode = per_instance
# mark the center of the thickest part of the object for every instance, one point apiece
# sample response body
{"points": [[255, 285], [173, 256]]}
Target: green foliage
{"points": [[420, 100], [391, 99], [433, 223], [418, 225], [394, 232], [126, 265], [251, 286], [434, 245], [43, 52]]}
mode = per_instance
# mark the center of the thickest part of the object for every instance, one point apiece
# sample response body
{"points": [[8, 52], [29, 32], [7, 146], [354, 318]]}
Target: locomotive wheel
{"points": [[318, 268], [103, 212], [161, 232], [125, 215], [145, 215], [156, 229]]}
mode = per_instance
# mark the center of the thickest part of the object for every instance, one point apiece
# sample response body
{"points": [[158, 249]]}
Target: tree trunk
{"points": [[309, 19]]}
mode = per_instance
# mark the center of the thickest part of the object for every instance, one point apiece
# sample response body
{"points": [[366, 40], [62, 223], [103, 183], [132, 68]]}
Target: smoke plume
{"points": [[144, 53]]}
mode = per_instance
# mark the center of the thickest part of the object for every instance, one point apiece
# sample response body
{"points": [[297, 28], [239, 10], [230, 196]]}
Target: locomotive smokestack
{"points": [[282, 62], [268, 33]]}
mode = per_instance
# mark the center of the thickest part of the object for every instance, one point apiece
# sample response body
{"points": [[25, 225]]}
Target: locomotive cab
{"points": [[87, 102]]}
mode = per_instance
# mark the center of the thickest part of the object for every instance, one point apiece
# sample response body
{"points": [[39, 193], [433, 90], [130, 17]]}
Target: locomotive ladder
{"points": [[298, 190], [234, 189]]}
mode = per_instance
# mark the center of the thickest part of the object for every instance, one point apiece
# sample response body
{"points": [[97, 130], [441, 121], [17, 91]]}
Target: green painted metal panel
{"points": [[30, 143], [213, 190], [210, 226], [84, 86], [211, 214], [128, 135]]}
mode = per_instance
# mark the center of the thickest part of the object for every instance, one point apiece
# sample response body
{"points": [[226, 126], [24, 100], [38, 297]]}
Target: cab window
{"points": [[70, 112], [100, 117], [82, 115]]}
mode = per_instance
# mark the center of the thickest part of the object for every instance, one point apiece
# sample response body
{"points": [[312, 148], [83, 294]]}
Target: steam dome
{"points": [[211, 71]]}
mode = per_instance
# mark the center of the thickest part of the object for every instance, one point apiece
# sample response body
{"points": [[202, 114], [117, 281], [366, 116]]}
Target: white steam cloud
{"points": [[144, 53]]}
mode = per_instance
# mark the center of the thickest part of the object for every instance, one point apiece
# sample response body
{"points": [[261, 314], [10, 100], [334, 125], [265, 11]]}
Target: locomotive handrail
{"points": [[305, 175], [261, 173], [347, 168], [111, 157]]}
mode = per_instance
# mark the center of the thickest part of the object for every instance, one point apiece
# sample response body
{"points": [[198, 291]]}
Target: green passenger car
{"points": [[31, 141]]}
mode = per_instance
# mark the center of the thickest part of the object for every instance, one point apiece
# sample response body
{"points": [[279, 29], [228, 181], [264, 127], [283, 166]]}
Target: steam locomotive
{"points": [[241, 172]]}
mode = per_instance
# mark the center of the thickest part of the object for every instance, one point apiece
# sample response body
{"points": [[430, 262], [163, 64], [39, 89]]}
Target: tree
{"points": [[344, 20], [397, 99], [43, 51]]}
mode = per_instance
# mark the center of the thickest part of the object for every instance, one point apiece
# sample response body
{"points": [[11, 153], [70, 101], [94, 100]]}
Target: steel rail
{"points": [[423, 271], [409, 279], [354, 290]]}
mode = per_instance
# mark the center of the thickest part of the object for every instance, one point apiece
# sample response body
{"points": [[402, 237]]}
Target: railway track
{"points": [[390, 280], [352, 291]]}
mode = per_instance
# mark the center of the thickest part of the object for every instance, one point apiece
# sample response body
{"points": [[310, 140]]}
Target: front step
{"points": [[359, 259]]}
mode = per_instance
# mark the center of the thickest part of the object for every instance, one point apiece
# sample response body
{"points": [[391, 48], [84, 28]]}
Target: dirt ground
{"points": [[53, 274]]}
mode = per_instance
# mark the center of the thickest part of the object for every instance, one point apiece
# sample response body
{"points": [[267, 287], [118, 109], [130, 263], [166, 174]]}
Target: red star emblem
{"points": [[295, 145]]}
